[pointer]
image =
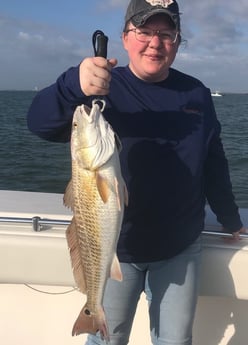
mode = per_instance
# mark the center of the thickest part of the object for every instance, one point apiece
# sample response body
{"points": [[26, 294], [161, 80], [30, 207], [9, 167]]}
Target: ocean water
{"points": [[28, 163], [32, 164]]}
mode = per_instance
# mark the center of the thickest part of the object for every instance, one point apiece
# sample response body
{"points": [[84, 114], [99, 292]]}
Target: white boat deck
{"points": [[41, 259]]}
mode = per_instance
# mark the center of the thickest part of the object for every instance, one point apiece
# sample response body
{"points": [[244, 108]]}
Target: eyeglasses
{"points": [[146, 35]]}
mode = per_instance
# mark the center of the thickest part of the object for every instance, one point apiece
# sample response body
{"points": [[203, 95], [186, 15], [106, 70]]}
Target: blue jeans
{"points": [[171, 288]]}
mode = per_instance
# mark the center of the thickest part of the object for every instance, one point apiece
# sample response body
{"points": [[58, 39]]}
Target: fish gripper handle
{"points": [[100, 43]]}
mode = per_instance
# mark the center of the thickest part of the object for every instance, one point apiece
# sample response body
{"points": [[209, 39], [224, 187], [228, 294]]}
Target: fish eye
{"points": [[87, 312], [74, 125]]}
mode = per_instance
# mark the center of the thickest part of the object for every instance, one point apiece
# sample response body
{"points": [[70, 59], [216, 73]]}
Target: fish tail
{"points": [[102, 325], [91, 323]]}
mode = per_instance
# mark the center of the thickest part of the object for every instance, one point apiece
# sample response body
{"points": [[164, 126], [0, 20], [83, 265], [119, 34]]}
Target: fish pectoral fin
{"points": [[115, 272], [102, 187], [77, 265], [68, 196]]}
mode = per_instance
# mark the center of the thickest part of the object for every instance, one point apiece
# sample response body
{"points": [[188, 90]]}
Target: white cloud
{"points": [[217, 35], [216, 51], [116, 3], [25, 36], [33, 53]]}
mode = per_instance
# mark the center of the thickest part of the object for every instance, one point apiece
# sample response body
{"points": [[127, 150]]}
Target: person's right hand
{"points": [[95, 75]]}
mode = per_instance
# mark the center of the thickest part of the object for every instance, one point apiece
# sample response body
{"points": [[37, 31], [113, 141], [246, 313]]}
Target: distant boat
{"points": [[216, 94]]}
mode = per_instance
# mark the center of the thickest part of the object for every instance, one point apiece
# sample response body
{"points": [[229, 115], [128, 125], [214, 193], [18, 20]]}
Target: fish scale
{"points": [[96, 194]]}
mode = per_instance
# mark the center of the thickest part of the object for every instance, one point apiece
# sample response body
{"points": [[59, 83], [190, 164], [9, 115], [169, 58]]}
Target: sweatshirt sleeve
{"points": [[218, 185], [50, 114]]}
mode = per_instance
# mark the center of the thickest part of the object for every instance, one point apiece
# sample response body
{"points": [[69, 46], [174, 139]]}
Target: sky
{"points": [[39, 40]]}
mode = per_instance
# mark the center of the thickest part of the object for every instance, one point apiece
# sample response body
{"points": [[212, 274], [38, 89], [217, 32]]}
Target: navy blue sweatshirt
{"points": [[172, 158]]}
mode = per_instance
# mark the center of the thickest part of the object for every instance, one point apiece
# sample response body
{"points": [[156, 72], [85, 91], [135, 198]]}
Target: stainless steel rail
{"points": [[42, 224], [38, 224]]}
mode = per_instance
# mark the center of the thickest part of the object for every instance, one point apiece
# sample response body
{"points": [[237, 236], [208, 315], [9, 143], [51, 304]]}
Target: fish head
{"points": [[92, 138]]}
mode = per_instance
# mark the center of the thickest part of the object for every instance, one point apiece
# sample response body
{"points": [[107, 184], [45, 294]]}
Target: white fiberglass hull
{"points": [[41, 259]]}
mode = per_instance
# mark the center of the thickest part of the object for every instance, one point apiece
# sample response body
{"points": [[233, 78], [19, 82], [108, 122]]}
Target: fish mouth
{"points": [[88, 114]]}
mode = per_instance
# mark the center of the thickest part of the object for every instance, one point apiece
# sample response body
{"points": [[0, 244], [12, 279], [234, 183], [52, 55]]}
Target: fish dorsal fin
{"points": [[78, 271], [102, 187], [68, 196], [115, 272]]}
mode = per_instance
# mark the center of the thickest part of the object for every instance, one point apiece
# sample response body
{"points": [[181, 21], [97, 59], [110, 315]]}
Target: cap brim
{"points": [[140, 19]]}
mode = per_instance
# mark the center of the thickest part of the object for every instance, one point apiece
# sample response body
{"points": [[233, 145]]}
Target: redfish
{"points": [[97, 195]]}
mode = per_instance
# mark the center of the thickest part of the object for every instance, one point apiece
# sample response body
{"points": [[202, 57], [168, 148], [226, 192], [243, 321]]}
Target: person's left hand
{"points": [[236, 235]]}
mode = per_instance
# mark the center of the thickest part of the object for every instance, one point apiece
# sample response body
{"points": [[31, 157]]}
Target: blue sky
{"points": [[41, 39]]}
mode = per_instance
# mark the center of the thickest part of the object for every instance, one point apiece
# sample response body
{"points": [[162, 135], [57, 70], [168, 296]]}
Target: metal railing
{"points": [[42, 224], [38, 223]]}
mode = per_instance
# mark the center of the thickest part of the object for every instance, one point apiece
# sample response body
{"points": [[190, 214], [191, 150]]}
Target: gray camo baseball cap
{"points": [[138, 11]]}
